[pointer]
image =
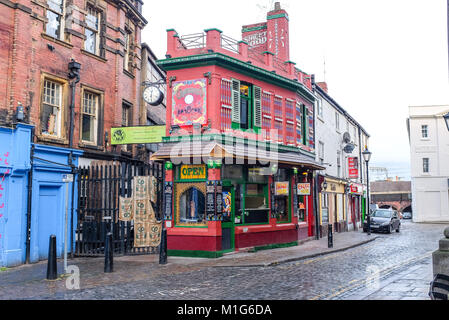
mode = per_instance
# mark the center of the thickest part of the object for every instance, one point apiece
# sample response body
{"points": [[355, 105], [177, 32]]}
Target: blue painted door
{"points": [[49, 219]]}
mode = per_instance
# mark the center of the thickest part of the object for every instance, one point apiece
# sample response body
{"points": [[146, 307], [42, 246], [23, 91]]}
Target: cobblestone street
{"points": [[398, 266]]}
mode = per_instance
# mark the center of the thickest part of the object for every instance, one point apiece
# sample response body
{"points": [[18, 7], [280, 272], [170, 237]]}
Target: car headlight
{"points": [[385, 223]]}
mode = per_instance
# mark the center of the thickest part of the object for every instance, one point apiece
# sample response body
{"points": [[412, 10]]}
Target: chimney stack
{"points": [[322, 85], [277, 6]]}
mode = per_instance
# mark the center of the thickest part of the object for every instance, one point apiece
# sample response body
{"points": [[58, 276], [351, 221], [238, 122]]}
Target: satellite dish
{"points": [[346, 137], [348, 148]]}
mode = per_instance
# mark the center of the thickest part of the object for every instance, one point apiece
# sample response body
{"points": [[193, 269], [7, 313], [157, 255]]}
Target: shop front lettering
{"points": [[189, 91], [189, 110], [191, 172], [256, 39]]}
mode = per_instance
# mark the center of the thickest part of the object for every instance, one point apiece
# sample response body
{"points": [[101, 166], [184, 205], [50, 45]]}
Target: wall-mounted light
{"points": [[324, 185], [106, 139], [19, 112]]}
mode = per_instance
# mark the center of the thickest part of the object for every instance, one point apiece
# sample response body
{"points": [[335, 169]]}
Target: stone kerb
{"points": [[440, 257]]}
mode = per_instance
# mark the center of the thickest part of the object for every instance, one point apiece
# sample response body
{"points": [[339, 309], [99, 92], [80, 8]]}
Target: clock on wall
{"points": [[153, 95]]}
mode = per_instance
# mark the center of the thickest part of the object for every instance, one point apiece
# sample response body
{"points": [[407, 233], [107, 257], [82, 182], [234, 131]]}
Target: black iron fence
{"points": [[99, 189]]}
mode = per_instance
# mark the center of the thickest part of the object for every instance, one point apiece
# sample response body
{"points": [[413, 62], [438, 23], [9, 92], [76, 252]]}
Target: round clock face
{"points": [[152, 95]]}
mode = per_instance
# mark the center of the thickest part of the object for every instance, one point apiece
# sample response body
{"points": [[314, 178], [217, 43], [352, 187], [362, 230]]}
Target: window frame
{"points": [[97, 32], [321, 151], [61, 15], [98, 116], [128, 40], [337, 121], [62, 112], [129, 107], [426, 131], [426, 165]]}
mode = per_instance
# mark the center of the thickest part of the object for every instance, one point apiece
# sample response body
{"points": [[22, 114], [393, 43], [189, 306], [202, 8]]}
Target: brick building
{"points": [[40, 38], [239, 149]]}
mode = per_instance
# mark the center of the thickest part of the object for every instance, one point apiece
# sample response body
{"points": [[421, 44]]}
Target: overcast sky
{"points": [[381, 56]]}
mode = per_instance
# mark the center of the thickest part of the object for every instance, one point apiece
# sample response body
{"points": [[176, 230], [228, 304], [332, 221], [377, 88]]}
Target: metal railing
{"points": [[229, 44], [192, 41]]}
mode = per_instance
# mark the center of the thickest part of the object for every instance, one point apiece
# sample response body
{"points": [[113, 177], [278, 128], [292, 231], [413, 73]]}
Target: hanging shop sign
{"points": [[137, 135], [193, 172], [303, 189], [356, 188], [281, 188], [189, 101], [353, 167]]}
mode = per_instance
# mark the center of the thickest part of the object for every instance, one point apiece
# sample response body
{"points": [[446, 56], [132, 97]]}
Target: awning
{"points": [[204, 150]]}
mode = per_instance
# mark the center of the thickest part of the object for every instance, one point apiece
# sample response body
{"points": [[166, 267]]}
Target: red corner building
{"points": [[240, 144]]}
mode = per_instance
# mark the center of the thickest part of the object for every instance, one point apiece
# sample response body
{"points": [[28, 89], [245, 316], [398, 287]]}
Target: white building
{"points": [[429, 148], [342, 203]]}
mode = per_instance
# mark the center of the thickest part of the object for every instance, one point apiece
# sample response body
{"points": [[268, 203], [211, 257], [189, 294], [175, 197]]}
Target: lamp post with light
{"points": [[367, 156]]}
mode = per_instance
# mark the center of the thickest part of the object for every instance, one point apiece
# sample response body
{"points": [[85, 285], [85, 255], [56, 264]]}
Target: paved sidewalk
{"points": [[28, 281], [411, 282]]}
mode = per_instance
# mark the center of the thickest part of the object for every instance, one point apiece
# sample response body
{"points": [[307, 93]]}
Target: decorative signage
{"points": [[210, 200], [281, 188], [168, 200], [303, 189], [256, 40], [137, 135], [353, 167], [189, 102], [356, 188], [193, 172], [227, 204], [219, 200]]}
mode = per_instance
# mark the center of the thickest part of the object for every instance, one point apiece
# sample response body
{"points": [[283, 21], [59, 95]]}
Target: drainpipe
{"points": [[316, 209], [74, 68], [361, 174], [30, 193]]}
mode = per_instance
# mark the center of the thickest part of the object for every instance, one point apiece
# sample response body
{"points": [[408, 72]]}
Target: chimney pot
{"points": [[277, 6]]}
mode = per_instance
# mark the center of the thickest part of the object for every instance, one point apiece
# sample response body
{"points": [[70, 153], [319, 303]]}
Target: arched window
{"points": [[192, 206]]}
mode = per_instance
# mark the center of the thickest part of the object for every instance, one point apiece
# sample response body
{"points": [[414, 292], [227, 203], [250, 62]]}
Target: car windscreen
{"points": [[382, 214]]}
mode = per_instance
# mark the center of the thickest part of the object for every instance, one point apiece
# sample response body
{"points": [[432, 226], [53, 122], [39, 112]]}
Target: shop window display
{"points": [[192, 206]]}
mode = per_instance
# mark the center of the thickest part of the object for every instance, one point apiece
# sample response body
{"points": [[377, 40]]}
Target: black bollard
{"points": [[52, 271], [330, 238], [163, 247], [108, 254]]}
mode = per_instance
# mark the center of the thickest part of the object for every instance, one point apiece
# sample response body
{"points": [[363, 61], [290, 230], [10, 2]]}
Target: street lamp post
{"points": [[367, 156]]}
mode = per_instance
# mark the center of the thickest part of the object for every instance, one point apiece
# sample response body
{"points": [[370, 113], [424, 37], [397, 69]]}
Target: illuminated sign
{"points": [[189, 102], [281, 188], [353, 167], [303, 189], [193, 172]]}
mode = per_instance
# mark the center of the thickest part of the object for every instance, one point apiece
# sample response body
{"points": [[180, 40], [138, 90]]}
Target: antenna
{"points": [[324, 68]]}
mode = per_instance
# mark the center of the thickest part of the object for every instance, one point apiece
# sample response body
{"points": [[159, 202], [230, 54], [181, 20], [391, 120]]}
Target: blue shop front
{"points": [[35, 197]]}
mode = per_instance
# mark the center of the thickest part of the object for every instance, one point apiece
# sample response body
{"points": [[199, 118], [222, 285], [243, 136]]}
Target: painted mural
{"points": [[189, 102]]}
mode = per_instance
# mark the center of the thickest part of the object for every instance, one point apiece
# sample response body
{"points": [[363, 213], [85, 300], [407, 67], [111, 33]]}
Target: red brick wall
{"points": [[25, 57]]}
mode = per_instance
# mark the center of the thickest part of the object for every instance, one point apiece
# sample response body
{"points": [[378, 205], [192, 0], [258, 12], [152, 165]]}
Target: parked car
{"points": [[383, 220], [406, 215]]}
